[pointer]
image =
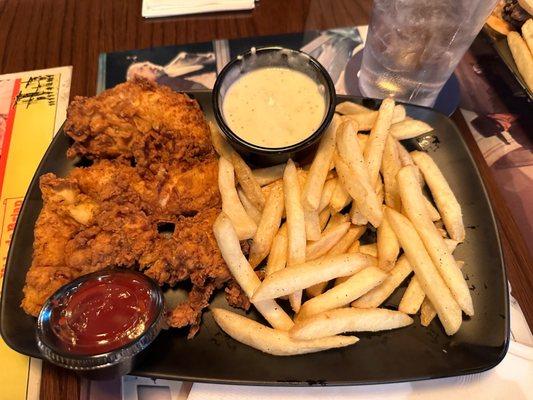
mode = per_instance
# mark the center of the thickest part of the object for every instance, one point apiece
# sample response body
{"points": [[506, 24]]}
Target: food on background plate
{"points": [[510, 15], [265, 102], [336, 270], [522, 56], [147, 202]]}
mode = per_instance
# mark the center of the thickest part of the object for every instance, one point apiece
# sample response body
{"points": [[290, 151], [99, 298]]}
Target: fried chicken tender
{"points": [[139, 120], [153, 166]]}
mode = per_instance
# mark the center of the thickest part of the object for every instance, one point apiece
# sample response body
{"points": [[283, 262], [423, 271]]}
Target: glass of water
{"points": [[413, 46]]}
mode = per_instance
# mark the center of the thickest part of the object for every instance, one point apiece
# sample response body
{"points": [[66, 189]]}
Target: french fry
{"points": [[527, 33], [273, 341], [319, 248], [348, 320], [230, 248], [327, 192], [354, 248], [412, 298], [247, 181], [268, 226], [390, 165], [375, 297], [277, 258], [265, 176], [406, 160], [376, 142], [388, 246], [222, 147], [295, 225], [367, 119], [432, 283], [432, 211], [348, 107], [319, 169], [371, 249], [412, 199], [295, 278], [362, 139], [409, 128], [339, 198], [231, 204], [323, 218], [427, 312], [335, 220], [344, 293], [250, 209], [364, 196], [380, 192], [342, 246], [522, 57], [448, 206], [356, 217], [312, 225]]}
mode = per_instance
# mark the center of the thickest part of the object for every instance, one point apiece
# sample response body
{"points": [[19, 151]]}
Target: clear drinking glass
{"points": [[413, 46]]}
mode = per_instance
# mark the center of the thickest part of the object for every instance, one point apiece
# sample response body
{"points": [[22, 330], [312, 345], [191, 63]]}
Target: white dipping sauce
{"points": [[274, 107]]}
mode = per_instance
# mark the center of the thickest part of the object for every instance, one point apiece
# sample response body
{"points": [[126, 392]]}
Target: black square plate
{"points": [[410, 353]]}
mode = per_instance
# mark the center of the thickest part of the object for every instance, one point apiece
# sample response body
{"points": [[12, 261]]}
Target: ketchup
{"points": [[103, 314]]}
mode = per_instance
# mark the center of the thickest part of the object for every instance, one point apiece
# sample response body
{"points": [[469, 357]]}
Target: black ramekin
{"points": [[273, 57], [109, 365]]}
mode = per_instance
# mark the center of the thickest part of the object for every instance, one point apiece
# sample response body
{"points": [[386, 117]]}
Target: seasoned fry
{"points": [[409, 128], [277, 258], [273, 341], [522, 57], [222, 147], [265, 176], [412, 298], [362, 139], [376, 142], [348, 320], [321, 247], [367, 119], [364, 196], [250, 209], [412, 199], [295, 225], [268, 226], [294, 278], [371, 249], [387, 245], [230, 247], [432, 283], [327, 192], [447, 204], [354, 248], [527, 33], [335, 220], [406, 160], [342, 246], [356, 217], [312, 225], [432, 211], [318, 171], [231, 204], [379, 294], [323, 218], [344, 293], [339, 198], [427, 312], [390, 165], [247, 181], [348, 107]]}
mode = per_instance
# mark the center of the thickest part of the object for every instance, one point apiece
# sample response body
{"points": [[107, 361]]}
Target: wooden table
{"points": [[38, 34]]}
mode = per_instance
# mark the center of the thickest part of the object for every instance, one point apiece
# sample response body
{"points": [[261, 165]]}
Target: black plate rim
{"points": [[249, 382]]}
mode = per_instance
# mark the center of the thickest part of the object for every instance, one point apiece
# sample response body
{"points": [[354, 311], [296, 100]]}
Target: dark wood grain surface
{"points": [[38, 34]]}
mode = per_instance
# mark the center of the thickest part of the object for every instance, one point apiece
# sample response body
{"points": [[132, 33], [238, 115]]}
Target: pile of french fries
{"points": [[305, 224]]}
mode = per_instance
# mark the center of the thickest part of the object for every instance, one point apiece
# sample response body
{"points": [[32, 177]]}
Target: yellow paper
{"points": [[29, 121]]}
